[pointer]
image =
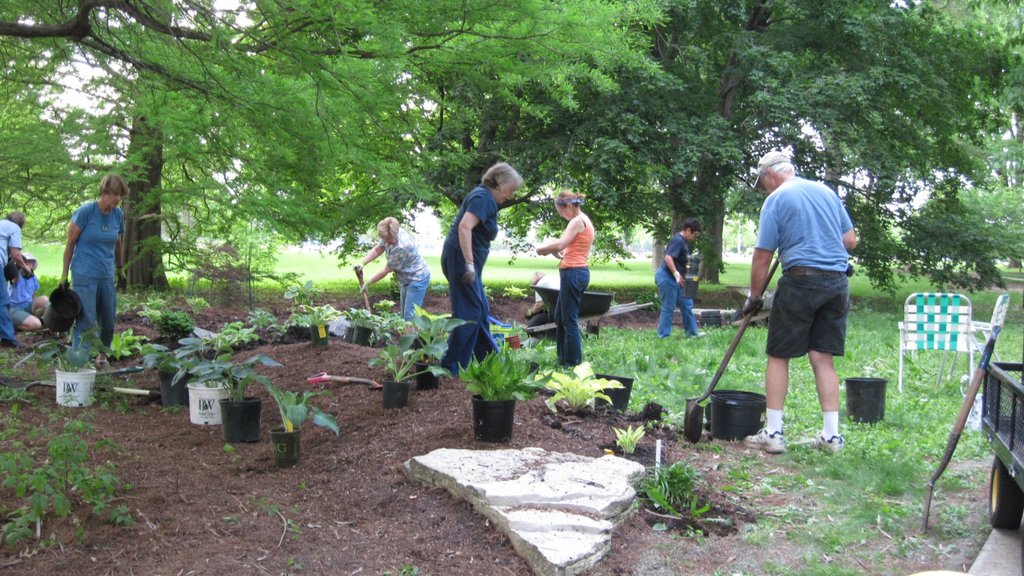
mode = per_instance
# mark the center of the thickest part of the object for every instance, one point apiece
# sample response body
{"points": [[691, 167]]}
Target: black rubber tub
{"points": [[592, 304]]}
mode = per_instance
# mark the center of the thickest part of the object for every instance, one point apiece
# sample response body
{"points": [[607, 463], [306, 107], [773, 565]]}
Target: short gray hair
{"points": [[502, 174]]}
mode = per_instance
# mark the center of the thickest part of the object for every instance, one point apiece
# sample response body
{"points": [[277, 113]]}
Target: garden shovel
{"points": [[25, 385], [362, 289], [961, 420], [693, 419], [325, 377]]}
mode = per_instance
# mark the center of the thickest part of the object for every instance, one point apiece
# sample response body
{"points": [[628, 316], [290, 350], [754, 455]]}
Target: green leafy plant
{"points": [[197, 304], [359, 317], [401, 359], [126, 344], [231, 336], [301, 295], [173, 324], [513, 292], [383, 306], [68, 358], [263, 321], [225, 371], [295, 408], [320, 315], [579, 388], [628, 438], [432, 332], [56, 482], [499, 375], [165, 360], [673, 488]]}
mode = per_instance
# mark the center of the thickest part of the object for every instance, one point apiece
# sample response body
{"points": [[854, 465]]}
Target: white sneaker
{"points": [[833, 444], [772, 443]]}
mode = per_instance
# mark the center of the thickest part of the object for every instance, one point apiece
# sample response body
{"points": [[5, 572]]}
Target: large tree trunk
{"points": [[142, 242]]}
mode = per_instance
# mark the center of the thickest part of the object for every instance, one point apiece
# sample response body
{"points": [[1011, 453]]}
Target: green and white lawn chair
{"points": [[982, 330], [937, 321]]}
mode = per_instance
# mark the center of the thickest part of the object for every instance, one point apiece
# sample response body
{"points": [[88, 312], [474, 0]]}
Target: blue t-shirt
{"points": [[679, 251], [805, 221], [481, 204], [94, 251], [10, 237], [23, 292]]}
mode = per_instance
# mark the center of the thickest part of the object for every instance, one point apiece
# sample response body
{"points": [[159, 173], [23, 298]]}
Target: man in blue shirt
{"points": [[671, 279], [807, 224]]}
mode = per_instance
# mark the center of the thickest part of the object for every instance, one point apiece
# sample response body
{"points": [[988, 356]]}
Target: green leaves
{"points": [[295, 408], [579, 388], [499, 375]]}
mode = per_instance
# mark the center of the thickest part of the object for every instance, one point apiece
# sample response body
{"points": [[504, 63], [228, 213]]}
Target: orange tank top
{"points": [[577, 255]]}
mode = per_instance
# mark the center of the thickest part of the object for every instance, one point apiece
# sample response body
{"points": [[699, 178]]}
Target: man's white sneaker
{"points": [[833, 444], [772, 443]]}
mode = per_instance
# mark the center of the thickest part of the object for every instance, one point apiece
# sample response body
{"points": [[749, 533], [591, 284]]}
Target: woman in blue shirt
{"points": [[93, 253], [462, 260]]}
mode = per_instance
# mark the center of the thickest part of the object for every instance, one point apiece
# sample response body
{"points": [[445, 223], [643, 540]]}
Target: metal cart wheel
{"points": [[1005, 498]]}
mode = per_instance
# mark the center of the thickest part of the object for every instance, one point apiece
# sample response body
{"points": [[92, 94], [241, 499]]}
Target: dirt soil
{"points": [[347, 508]]}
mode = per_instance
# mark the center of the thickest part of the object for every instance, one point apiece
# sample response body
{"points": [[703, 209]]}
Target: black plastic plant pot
{"points": [[426, 380], [172, 394], [865, 399], [318, 335], [736, 414], [619, 396], [240, 419], [286, 447], [361, 335], [492, 419], [395, 394]]}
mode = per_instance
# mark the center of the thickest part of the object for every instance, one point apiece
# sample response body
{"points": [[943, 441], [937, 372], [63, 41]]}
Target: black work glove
{"points": [[470, 275], [752, 306]]}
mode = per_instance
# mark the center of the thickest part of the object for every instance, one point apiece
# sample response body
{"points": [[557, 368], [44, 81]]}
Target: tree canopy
{"points": [[312, 120]]}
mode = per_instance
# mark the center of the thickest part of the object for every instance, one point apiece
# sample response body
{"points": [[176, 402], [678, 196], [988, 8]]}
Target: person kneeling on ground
{"points": [[26, 308]]}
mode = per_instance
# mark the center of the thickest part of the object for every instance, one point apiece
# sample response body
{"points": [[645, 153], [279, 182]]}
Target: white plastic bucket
{"points": [[204, 404], [74, 389]]}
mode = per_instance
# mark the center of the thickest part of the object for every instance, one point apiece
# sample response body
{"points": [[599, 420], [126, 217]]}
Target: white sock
{"points": [[774, 421], [831, 427]]}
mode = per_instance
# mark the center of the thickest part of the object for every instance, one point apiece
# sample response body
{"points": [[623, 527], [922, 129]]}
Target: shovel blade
{"points": [[693, 421]]}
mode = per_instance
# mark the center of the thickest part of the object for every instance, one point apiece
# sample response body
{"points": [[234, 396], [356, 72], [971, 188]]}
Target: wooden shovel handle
{"points": [[735, 341]]}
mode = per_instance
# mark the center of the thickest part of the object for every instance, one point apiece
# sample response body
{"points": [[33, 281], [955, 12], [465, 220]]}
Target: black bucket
{"points": [[736, 414], [619, 396], [690, 288], [64, 308], [240, 420], [172, 394], [493, 419], [395, 394], [865, 399]]}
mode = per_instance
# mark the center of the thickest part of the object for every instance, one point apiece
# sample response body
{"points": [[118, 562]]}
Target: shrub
{"points": [[174, 324]]}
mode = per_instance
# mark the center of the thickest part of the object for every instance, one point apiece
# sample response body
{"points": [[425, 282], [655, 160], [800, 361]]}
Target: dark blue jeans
{"points": [[567, 315]]}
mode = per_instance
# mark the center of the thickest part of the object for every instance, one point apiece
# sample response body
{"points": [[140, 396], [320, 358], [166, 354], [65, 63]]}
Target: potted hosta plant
{"points": [[294, 408], [579, 388], [74, 373], [361, 322], [319, 316], [403, 361], [172, 370], [496, 382], [239, 414], [432, 336]]}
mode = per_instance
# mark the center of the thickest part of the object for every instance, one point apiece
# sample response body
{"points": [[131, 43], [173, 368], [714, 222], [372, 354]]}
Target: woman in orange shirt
{"points": [[573, 248]]}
